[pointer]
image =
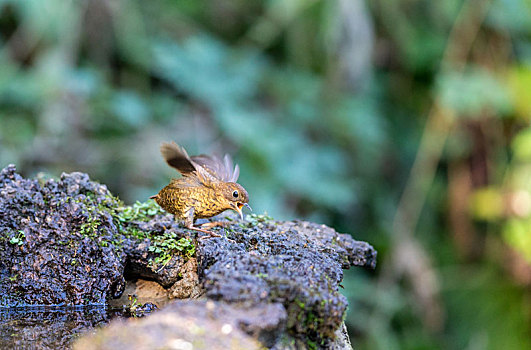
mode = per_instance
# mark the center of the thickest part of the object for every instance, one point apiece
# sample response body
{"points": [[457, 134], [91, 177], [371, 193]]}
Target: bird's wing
{"points": [[221, 169], [185, 181], [177, 158]]}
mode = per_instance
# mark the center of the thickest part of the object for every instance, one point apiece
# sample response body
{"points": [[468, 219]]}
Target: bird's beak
{"points": [[239, 207]]}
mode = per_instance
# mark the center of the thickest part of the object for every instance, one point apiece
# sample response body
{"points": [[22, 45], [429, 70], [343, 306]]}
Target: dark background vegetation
{"points": [[402, 122]]}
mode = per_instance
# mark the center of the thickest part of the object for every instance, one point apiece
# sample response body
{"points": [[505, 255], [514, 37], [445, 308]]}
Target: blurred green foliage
{"points": [[323, 104]]}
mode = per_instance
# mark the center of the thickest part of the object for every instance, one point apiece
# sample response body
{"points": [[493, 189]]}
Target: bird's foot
{"points": [[205, 228], [210, 233], [209, 225]]}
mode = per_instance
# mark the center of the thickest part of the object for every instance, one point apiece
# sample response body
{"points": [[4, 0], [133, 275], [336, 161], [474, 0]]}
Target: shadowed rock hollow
{"points": [[70, 242]]}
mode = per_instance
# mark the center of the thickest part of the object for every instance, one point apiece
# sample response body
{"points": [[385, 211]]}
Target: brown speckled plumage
{"points": [[207, 188]]}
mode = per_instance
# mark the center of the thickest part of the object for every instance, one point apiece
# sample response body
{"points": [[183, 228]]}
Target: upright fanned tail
{"points": [[205, 168], [221, 170]]}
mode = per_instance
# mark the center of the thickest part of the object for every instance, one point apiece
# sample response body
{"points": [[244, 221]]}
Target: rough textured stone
{"points": [[188, 286], [297, 264], [139, 258], [50, 252], [181, 325], [69, 242]]}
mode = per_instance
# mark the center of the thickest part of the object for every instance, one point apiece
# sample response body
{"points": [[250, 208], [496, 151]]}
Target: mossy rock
{"points": [[71, 242]]}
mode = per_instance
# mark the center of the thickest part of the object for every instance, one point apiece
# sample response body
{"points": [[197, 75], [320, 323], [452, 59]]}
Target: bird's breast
{"points": [[179, 199]]}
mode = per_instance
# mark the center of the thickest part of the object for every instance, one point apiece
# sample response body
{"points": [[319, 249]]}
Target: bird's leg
{"points": [[211, 234], [189, 223]]}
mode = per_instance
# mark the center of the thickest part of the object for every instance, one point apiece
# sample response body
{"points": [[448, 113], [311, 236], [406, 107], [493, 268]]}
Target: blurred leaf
{"points": [[359, 121], [521, 145], [278, 15], [487, 204], [473, 93], [50, 19], [206, 70], [131, 33], [516, 234], [130, 109], [83, 82], [485, 309], [16, 131], [518, 178], [298, 92], [519, 81], [513, 15]]}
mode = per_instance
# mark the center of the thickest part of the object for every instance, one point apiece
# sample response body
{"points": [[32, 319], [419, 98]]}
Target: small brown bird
{"points": [[207, 188]]}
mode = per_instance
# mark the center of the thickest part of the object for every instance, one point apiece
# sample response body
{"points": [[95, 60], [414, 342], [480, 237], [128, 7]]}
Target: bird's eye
{"points": [[235, 194]]}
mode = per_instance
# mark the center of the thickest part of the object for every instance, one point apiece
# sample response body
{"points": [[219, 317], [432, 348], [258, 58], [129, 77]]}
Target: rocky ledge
{"points": [[70, 242]]}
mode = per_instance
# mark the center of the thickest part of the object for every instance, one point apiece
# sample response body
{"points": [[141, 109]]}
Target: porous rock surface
{"points": [[49, 253], [297, 264], [63, 242], [195, 324]]}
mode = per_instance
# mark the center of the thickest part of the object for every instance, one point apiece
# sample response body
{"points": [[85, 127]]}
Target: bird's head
{"points": [[234, 196]]}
